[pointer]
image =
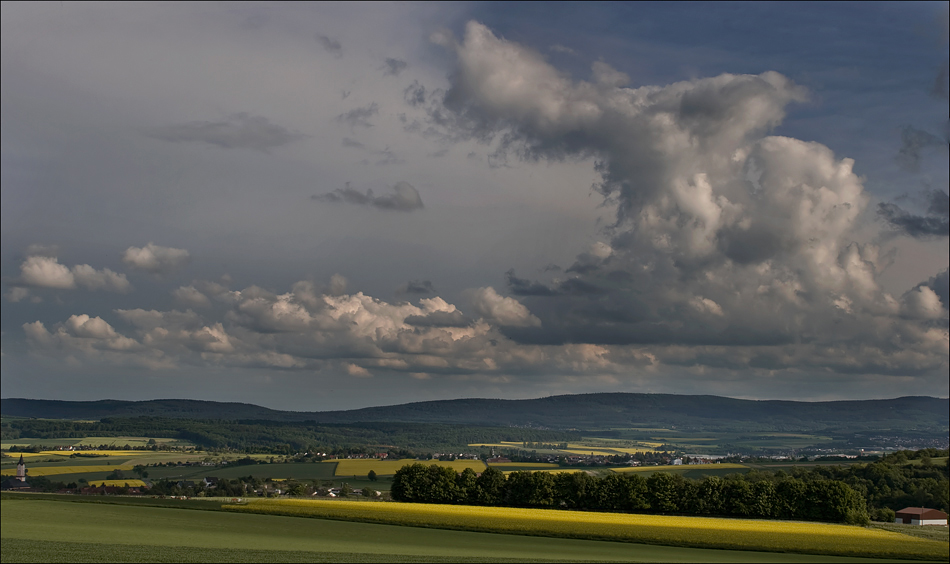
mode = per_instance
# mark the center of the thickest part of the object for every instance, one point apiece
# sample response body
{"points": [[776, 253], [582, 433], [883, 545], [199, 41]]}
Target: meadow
{"points": [[695, 471], [362, 466], [73, 529], [696, 532]]}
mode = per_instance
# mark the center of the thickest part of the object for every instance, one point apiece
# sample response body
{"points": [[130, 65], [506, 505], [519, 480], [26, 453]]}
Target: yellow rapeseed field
{"points": [[547, 471], [362, 466], [703, 532]]}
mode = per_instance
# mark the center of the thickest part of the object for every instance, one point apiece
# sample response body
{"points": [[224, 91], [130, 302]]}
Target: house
{"points": [[921, 516], [498, 460], [210, 482], [12, 484]]}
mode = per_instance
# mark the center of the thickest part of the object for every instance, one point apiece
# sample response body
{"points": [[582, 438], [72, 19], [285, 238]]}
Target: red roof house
{"points": [[921, 516]]}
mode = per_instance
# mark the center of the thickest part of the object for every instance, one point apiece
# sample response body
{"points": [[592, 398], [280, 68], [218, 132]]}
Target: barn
{"points": [[921, 516]]}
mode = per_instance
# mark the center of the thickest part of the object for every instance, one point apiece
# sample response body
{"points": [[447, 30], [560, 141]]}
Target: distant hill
{"points": [[585, 411]]}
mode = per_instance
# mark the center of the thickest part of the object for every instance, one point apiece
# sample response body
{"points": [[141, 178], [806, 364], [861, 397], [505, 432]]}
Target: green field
{"points": [[66, 531]]}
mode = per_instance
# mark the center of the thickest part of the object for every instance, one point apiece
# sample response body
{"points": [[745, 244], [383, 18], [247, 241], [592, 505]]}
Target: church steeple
{"points": [[21, 470]]}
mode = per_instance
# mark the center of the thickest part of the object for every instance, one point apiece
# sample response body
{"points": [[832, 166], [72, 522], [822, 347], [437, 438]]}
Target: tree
{"points": [[467, 484], [574, 490], [371, 475], [410, 483], [663, 492], [490, 487], [368, 492], [442, 487]]}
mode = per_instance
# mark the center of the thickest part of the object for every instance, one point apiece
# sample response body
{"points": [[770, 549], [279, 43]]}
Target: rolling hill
{"points": [[584, 411]]}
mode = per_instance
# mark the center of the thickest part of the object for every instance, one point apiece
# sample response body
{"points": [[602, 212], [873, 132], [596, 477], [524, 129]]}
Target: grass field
{"points": [[118, 483], [57, 470], [689, 470], [522, 465], [699, 532], [38, 530], [362, 466]]}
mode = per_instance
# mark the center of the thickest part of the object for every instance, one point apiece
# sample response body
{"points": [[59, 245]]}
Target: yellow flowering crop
{"points": [[702, 532]]}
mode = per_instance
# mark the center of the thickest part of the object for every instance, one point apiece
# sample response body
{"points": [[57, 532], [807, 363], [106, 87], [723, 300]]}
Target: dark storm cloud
{"points": [[913, 142], [238, 131], [568, 287], [359, 116], [525, 287], [330, 45], [404, 197], [417, 287], [935, 224], [439, 319], [394, 66], [752, 245], [347, 142], [940, 284]]}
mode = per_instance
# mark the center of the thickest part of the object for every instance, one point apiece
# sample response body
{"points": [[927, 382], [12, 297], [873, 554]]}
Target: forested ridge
{"points": [[583, 411], [281, 437]]}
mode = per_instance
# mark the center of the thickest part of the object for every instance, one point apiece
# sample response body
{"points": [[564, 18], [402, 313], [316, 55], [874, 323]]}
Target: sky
{"points": [[332, 206]]}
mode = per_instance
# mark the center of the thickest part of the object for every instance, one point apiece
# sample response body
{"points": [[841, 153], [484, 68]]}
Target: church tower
{"points": [[21, 470]]}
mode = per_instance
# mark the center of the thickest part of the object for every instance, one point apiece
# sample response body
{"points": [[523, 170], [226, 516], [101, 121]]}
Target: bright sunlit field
{"points": [[706, 532]]}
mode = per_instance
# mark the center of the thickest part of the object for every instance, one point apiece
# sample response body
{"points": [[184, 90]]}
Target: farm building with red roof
{"points": [[921, 516]]}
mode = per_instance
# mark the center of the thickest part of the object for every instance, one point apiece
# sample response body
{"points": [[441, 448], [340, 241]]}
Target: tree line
{"points": [[665, 493], [842, 493]]}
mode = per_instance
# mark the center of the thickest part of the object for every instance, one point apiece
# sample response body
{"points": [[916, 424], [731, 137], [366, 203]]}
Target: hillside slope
{"points": [[585, 411]]}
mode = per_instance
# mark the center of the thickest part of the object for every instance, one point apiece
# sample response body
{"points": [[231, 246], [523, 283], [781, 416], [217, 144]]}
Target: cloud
{"points": [[237, 131], [190, 296], [502, 310], [47, 272], [330, 45], [82, 333], [17, 294], [359, 116], [416, 287], [358, 371], [929, 299], [394, 66], [404, 197], [935, 224], [726, 239], [156, 259]]}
